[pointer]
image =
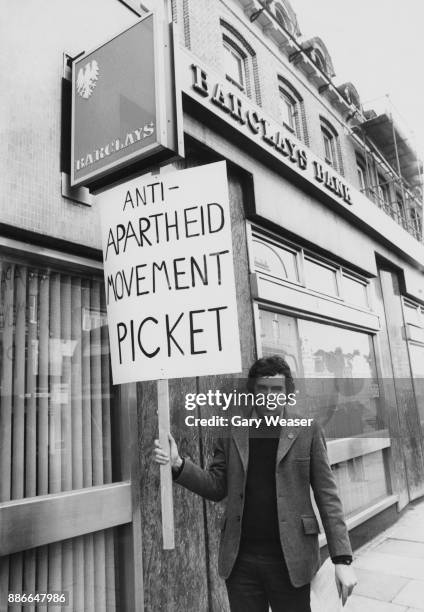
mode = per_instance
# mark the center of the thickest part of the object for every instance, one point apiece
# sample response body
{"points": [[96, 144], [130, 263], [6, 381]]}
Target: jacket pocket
{"points": [[310, 525]]}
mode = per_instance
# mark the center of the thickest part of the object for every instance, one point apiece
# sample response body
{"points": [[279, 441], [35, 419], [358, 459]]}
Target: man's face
{"points": [[269, 395]]}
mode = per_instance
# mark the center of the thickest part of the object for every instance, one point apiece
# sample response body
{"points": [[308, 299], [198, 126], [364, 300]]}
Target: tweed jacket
{"points": [[301, 463]]}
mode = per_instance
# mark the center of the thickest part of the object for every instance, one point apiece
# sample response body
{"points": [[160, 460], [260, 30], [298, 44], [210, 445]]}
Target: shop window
{"points": [[275, 261], [320, 277], [355, 291], [55, 381], [335, 371], [63, 429]]}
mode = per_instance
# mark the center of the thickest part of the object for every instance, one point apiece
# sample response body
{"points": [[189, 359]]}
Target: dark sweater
{"points": [[260, 531]]}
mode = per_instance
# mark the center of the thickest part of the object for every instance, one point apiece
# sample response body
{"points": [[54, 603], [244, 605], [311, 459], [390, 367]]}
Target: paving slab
{"points": [[391, 564], [412, 533], [356, 603], [378, 585], [404, 548], [412, 594]]}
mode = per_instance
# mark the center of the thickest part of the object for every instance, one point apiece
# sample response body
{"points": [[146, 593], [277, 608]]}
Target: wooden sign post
{"points": [[166, 497]]}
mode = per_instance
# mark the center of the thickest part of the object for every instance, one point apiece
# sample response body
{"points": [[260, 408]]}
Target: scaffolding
{"points": [[393, 170]]}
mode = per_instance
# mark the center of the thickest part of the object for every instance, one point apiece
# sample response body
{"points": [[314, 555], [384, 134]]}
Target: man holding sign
{"points": [[170, 288], [269, 549]]}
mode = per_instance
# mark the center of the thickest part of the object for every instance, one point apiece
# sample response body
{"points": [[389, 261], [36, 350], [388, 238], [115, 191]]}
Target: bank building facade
{"points": [[326, 211]]}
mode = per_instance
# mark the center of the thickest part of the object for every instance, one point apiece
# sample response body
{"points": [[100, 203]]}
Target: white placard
{"points": [[169, 276]]}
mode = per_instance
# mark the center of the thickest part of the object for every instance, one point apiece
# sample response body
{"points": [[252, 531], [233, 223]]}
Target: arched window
{"points": [[234, 63], [331, 144], [239, 61], [319, 60], [292, 109], [281, 18], [319, 54], [286, 17]]}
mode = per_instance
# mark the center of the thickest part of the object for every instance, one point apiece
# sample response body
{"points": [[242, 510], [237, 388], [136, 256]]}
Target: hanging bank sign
{"points": [[125, 112]]}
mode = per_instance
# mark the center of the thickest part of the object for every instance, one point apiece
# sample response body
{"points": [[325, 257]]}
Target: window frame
{"points": [[329, 138], [231, 48], [258, 234], [292, 106], [362, 177]]}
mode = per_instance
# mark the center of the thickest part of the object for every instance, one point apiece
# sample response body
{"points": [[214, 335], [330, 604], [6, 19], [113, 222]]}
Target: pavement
{"points": [[390, 568]]}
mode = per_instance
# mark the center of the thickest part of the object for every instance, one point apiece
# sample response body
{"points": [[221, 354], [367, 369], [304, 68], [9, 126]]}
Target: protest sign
{"points": [[169, 276]]}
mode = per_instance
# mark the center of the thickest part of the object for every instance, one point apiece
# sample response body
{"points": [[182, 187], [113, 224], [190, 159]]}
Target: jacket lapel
{"points": [[287, 436], [241, 440]]}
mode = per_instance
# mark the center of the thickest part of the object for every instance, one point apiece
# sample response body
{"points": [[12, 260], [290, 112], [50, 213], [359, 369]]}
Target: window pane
{"points": [[320, 278], [275, 261], [87, 568], [56, 404], [335, 373], [289, 111], [335, 352], [330, 154], [354, 292], [411, 314], [361, 481], [234, 65], [279, 337], [361, 178]]}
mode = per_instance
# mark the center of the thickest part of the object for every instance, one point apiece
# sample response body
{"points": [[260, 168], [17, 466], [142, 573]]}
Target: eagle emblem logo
{"points": [[87, 78]]}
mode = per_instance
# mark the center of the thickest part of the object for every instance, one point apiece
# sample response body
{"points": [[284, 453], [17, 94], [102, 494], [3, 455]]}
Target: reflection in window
{"points": [[335, 372], [337, 366], [280, 337], [275, 261], [355, 292], [320, 278], [335, 352]]}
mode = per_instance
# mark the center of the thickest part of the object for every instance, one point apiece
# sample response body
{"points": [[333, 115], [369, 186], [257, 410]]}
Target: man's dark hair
{"points": [[270, 366]]}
